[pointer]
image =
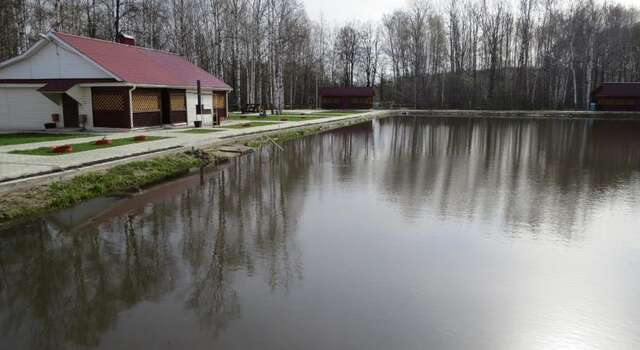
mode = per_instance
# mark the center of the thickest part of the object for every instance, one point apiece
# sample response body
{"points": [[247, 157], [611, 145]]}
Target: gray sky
{"points": [[340, 11], [347, 10]]}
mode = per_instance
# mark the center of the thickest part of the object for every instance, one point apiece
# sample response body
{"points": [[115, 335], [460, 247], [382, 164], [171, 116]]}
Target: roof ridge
{"points": [[117, 43]]}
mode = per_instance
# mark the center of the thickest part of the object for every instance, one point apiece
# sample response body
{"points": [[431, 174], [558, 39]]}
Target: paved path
{"points": [[14, 166]]}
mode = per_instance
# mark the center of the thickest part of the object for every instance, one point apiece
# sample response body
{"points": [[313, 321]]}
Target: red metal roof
{"points": [[347, 91], [139, 65], [618, 90]]}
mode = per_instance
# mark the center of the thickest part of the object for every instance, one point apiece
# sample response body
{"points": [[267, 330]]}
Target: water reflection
{"points": [[547, 175], [217, 248]]}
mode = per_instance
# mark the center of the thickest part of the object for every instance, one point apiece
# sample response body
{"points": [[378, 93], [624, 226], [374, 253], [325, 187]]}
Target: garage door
{"points": [[25, 109]]}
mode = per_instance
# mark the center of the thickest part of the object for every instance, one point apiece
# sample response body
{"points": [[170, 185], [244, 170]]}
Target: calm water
{"points": [[397, 234]]}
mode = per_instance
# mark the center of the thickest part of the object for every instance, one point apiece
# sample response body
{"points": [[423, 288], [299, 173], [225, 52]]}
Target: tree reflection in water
{"points": [[192, 243], [62, 286]]}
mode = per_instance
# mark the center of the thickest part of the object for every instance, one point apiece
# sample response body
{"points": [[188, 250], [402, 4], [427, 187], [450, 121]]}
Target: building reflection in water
{"points": [[64, 283]]}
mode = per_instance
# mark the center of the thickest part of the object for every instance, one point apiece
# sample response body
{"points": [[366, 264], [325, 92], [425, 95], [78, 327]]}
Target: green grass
{"points": [[246, 125], [119, 179], [291, 117], [23, 138], [84, 147], [278, 118], [200, 131]]}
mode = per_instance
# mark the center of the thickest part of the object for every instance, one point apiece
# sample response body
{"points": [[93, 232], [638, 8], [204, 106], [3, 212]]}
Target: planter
{"points": [[62, 149], [140, 138], [284, 119], [197, 123], [49, 125], [104, 142]]}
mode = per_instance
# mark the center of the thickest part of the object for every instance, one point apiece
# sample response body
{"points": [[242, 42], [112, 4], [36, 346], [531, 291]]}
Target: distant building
{"points": [[347, 98], [617, 97], [76, 81]]}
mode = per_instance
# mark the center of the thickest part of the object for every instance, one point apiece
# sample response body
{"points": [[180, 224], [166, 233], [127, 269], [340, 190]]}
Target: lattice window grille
{"points": [[108, 102], [178, 103], [219, 101], [146, 103]]}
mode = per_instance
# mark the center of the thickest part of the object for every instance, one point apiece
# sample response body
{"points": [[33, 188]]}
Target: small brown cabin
{"points": [[347, 98], [617, 97]]}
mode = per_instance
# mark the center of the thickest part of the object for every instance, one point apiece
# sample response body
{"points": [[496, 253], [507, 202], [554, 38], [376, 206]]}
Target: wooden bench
{"points": [[250, 108]]}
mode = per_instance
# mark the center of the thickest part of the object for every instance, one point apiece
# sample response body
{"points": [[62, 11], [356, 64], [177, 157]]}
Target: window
{"points": [[178, 102], [219, 101], [146, 103], [108, 102]]}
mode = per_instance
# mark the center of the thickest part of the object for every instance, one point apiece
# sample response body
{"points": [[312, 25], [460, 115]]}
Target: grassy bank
{"points": [[246, 125], [23, 138], [287, 135], [122, 178], [279, 118]]}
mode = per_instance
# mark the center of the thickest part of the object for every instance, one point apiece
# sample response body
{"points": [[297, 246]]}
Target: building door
{"points": [[70, 112]]}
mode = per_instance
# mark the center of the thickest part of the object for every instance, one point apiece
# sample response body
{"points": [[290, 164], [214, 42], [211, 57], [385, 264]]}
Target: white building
{"points": [[75, 82]]}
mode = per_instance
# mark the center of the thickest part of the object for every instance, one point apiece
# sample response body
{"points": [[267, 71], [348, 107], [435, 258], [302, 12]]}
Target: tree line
{"points": [[485, 54]]}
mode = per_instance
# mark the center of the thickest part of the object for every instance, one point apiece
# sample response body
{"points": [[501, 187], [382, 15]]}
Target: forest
{"points": [[464, 54]]}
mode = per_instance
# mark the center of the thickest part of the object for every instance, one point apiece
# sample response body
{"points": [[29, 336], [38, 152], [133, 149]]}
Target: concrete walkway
{"points": [[19, 166]]}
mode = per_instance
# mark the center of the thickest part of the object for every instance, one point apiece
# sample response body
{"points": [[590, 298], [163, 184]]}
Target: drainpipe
{"points": [[133, 88]]}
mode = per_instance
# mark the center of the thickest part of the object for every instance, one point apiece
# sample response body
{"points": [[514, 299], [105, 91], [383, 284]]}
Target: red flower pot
{"points": [[104, 142], [140, 138], [62, 149]]}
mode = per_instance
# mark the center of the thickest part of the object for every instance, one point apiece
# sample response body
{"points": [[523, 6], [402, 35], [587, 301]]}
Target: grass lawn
{"points": [[84, 147], [200, 131], [22, 138], [246, 125], [278, 118], [292, 117]]}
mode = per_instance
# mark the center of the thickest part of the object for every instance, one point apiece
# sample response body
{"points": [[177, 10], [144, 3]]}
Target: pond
{"points": [[400, 233]]}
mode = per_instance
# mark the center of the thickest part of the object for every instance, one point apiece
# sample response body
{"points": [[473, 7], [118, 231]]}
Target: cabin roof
{"points": [[347, 92], [139, 65]]}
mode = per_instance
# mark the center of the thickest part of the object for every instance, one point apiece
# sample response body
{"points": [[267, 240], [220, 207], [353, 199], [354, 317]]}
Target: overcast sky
{"points": [[340, 11]]}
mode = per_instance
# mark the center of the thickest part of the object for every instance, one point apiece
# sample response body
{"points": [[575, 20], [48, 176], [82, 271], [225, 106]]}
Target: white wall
{"points": [[24, 108], [192, 101], [52, 62], [84, 98]]}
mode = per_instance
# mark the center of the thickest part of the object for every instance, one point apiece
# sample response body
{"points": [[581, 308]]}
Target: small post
{"points": [[198, 123], [199, 91]]}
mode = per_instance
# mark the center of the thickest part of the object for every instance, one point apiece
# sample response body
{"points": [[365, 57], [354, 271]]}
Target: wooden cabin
{"points": [[75, 81], [347, 98], [620, 97]]}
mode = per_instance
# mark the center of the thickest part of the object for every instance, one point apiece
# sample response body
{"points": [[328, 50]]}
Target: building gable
{"points": [[52, 61]]}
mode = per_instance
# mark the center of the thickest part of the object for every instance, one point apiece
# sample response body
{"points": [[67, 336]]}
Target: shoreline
{"points": [[62, 189], [48, 193]]}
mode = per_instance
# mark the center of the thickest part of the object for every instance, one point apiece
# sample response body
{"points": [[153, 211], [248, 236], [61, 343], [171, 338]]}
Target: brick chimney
{"points": [[125, 39]]}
